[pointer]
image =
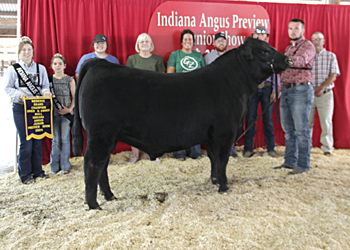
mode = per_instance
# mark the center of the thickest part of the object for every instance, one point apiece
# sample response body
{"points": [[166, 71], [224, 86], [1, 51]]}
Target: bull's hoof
{"points": [[223, 189], [97, 208], [214, 180], [111, 198]]}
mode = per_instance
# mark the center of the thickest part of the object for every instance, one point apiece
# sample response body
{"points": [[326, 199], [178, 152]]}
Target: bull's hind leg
{"points": [[104, 184], [219, 155], [95, 170]]}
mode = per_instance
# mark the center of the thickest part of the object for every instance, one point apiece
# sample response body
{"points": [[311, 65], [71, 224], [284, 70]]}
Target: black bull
{"points": [[161, 113]]}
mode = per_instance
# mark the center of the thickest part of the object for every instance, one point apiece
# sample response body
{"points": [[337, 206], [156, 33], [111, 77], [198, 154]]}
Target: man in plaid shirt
{"points": [[325, 70], [296, 99]]}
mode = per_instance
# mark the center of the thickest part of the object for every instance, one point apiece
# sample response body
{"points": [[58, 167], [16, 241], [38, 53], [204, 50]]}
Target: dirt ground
{"points": [[173, 205]]}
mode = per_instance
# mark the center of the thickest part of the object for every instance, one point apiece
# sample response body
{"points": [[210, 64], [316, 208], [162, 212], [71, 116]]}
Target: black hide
{"points": [[159, 113]]}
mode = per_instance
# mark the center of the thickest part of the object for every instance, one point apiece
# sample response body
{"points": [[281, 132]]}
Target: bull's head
{"points": [[258, 50]]}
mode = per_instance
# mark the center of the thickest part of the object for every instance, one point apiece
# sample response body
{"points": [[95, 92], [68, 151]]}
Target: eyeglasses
{"points": [[317, 39]]}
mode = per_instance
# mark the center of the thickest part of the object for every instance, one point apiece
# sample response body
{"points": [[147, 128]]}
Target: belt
{"points": [[291, 85], [264, 84], [326, 91]]}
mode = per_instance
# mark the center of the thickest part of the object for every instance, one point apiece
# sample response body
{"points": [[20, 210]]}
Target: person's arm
{"points": [[319, 90], [170, 69], [305, 56], [171, 63], [10, 89], [273, 94], [45, 85], [129, 62], [81, 61], [160, 65]]}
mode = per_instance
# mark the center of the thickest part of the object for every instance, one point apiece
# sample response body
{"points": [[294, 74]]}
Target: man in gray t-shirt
{"points": [[220, 45]]}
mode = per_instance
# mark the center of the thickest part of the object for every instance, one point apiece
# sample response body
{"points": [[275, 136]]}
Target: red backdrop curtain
{"points": [[69, 26]]}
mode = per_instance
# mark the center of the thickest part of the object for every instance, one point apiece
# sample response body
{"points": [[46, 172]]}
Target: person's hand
{"points": [[47, 94], [64, 111], [273, 97], [318, 91], [22, 96]]}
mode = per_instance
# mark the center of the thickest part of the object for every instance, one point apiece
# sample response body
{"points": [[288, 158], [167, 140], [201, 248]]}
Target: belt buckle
{"points": [[261, 85]]}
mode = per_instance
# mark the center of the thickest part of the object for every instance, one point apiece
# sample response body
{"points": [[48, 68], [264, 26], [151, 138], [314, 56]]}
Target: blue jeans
{"points": [[30, 152], [262, 96], [194, 153], [59, 158], [295, 112]]}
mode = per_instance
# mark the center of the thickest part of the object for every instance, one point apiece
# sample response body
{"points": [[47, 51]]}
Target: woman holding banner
{"points": [[63, 89], [32, 82]]}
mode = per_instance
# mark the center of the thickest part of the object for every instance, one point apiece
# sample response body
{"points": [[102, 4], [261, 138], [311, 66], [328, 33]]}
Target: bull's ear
{"points": [[247, 49]]}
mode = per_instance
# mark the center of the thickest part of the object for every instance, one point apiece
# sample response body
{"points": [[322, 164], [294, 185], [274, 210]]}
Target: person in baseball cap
{"points": [[100, 46]]}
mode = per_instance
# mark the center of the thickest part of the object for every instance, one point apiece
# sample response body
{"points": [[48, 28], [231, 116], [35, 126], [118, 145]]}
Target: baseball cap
{"points": [[218, 35], [100, 38]]}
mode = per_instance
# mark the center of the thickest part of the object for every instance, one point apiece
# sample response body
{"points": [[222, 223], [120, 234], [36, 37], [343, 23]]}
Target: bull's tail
{"points": [[77, 133]]}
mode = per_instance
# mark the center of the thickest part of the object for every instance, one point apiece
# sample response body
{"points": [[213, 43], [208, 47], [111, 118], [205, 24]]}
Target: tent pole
{"points": [[15, 168]]}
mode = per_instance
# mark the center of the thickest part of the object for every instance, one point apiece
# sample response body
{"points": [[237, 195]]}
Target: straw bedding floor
{"points": [[173, 205]]}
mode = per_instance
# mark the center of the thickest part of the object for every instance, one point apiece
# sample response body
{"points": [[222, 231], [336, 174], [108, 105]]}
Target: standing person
{"points": [[220, 45], [265, 94], [30, 152], [148, 61], [325, 70], [64, 91], [100, 45], [185, 60], [297, 96]]}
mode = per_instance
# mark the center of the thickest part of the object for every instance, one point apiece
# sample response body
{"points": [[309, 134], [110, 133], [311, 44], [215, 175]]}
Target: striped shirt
{"points": [[302, 55], [325, 63]]}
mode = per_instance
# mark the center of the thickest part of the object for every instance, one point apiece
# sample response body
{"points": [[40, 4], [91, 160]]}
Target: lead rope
{"points": [[271, 102]]}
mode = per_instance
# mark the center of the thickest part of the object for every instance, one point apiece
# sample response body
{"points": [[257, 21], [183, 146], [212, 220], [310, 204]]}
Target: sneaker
{"points": [[327, 154], [272, 154], [43, 175], [28, 181], [157, 160], [247, 154], [65, 171], [297, 171], [180, 159], [283, 166], [134, 158]]}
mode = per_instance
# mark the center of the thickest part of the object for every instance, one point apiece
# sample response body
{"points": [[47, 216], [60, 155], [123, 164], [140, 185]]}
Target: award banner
{"points": [[38, 117]]}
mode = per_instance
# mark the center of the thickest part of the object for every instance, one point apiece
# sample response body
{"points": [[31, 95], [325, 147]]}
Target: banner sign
{"points": [[38, 117], [237, 21]]}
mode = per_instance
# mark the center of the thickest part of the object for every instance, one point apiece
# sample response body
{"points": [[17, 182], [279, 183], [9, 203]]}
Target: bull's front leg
{"points": [[214, 169], [219, 157]]}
